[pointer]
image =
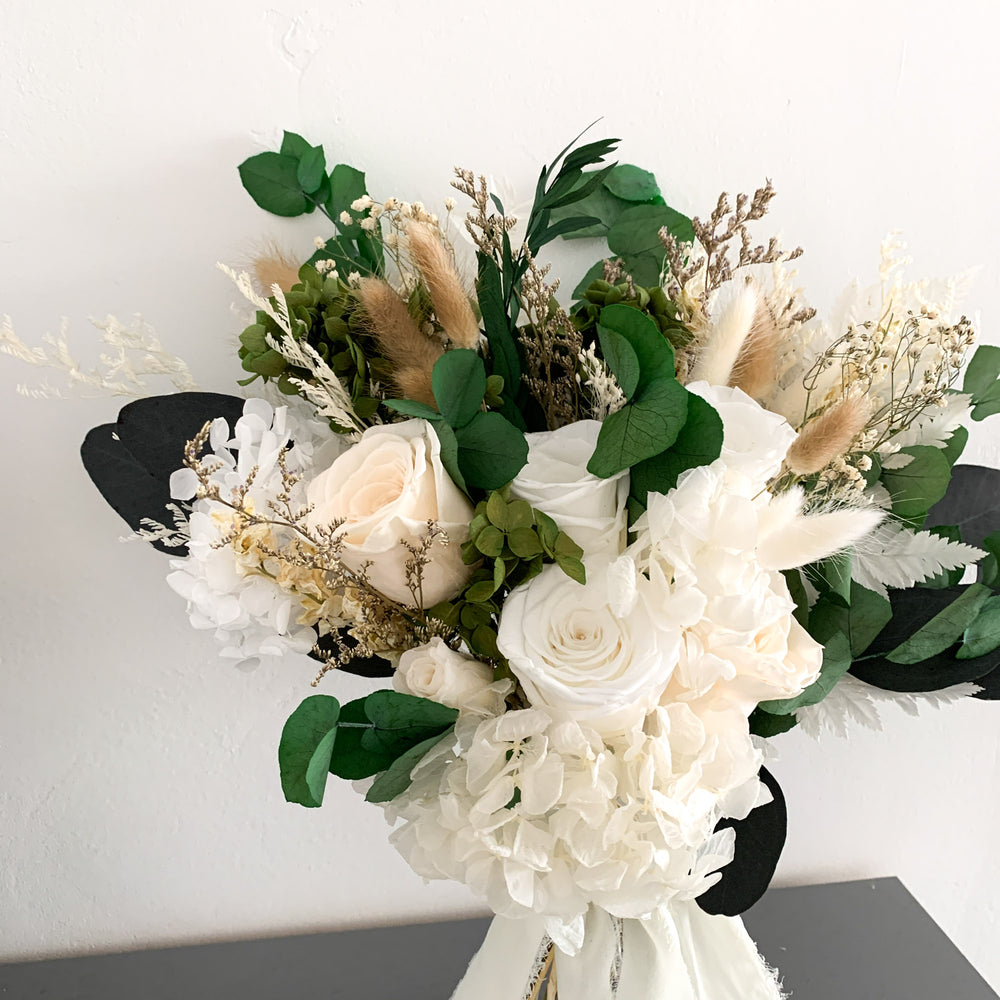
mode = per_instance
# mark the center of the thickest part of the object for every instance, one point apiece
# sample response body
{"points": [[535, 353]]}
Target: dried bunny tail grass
{"points": [[725, 339], [411, 354], [451, 304], [756, 367], [828, 436], [275, 267]]}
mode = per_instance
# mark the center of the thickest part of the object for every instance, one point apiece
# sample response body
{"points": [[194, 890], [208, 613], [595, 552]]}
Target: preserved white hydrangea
{"points": [[741, 644], [544, 816], [256, 605]]}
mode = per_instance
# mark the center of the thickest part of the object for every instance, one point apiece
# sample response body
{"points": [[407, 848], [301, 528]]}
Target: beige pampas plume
{"points": [[828, 436], [411, 354], [451, 304], [275, 267], [725, 339], [756, 367]]}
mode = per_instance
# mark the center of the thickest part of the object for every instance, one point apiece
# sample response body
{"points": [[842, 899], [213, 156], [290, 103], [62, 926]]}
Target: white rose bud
{"points": [[555, 481], [440, 673], [386, 488]]}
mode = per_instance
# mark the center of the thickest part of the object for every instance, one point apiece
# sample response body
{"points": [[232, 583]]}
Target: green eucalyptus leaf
{"points": [[491, 451], [767, 725], [635, 232], [413, 408], [632, 183], [798, 593], [398, 778], [292, 144], [982, 372], [450, 453], [699, 442], [944, 629], [620, 358], [983, 634], [652, 349], [643, 428], [312, 169], [458, 382], [305, 749], [862, 622], [271, 179], [347, 184], [919, 485], [350, 759]]}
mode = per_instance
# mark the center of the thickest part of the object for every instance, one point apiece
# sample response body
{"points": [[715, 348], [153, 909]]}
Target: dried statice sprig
{"points": [[552, 346], [485, 226], [715, 239], [324, 389], [172, 536], [291, 549], [136, 355]]}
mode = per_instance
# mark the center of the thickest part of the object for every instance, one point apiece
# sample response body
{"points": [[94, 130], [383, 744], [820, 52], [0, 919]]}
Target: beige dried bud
{"points": [[828, 436]]}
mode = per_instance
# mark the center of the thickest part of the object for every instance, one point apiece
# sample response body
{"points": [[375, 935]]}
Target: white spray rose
{"points": [[555, 481], [755, 440], [595, 652], [442, 674], [386, 488]]}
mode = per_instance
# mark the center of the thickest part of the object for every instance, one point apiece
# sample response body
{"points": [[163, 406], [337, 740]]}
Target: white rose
{"points": [[594, 653], [755, 440], [440, 673], [386, 488], [555, 481]]}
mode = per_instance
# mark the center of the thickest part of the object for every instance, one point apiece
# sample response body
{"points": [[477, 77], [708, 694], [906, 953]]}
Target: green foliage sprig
{"points": [[330, 319], [480, 449], [512, 541], [663, 429], [385, 733]]}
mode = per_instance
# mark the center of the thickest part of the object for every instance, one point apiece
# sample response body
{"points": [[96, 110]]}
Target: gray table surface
{"points": [[865, 940]]}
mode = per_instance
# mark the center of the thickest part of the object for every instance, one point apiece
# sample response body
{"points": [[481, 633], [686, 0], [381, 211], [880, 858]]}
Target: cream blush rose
{"points": [[385, 489]]}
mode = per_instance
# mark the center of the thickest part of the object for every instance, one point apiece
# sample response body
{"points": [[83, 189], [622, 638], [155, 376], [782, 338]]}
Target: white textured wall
{"points": [[138, 788]]}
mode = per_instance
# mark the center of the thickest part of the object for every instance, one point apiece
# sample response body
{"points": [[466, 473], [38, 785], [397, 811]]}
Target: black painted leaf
{"points": [[759, 840], [990, 685], [131, 461], [363, 666], [972, 502], [911, 610]]}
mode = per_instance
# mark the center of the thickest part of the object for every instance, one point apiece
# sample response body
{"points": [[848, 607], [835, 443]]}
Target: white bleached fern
{"points": [[135, 355], [854, 701], [894, 556], [327, 393]]}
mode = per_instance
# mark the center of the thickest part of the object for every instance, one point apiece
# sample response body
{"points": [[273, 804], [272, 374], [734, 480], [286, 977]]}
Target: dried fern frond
{"points": [[411, 354], [828, 436], [451, 304]]}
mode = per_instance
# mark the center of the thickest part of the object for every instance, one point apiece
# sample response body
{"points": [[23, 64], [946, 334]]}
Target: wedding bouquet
{"points": [[600, 552]]}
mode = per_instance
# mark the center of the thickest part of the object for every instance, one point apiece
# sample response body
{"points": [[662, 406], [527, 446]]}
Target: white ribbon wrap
{"points": [[678, 953]]}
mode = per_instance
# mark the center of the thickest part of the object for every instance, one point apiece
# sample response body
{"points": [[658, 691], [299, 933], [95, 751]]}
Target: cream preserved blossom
{"points": [[256, 604], [545, 816]]}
